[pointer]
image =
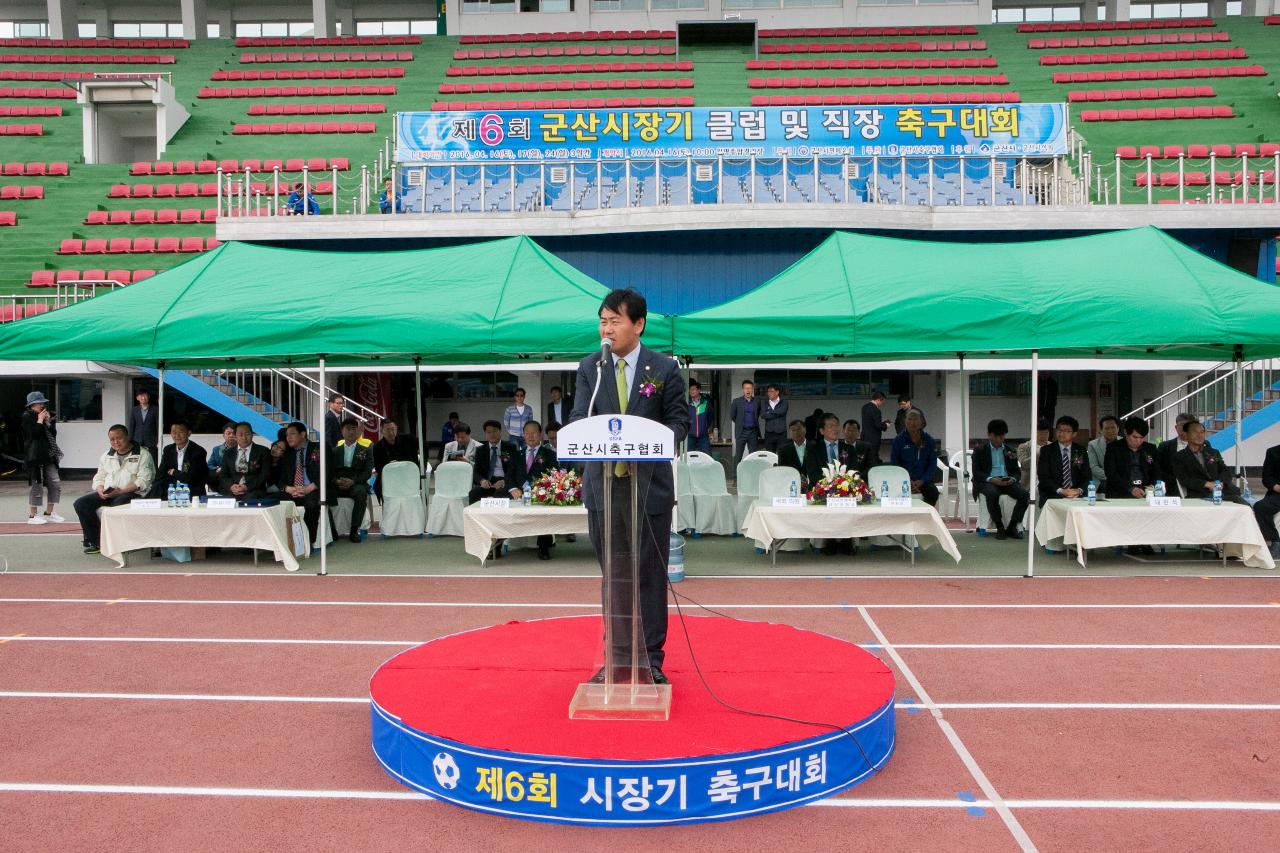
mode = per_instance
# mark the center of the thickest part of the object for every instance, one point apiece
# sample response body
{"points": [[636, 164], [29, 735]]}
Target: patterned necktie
{"points": [[1066, 468], [831, 451], [297, 470], [620, 468]]}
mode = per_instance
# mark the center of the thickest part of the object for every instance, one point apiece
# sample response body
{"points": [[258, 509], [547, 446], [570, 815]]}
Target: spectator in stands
{"points": [[497, 466], [1198, 466], [873, 422], [995, 474], [1024, 451], [900, 417], [215, 456], [245, 468], [299, 476], [744, 412], [333, 420], [774, 415], [41, 457], [917, 452], [144, 423], [1265, 509], [1109, 431], [797, 452], [278, 448], [449, 428], [1063, 467], [184, 461], [558, 408], [1133, 464], [352, 469], [1169, 448], [700, 420], [385, 200], [515, 417], [393, 447], [539, 459], [297, 206], [124, 472], [461, 448]]}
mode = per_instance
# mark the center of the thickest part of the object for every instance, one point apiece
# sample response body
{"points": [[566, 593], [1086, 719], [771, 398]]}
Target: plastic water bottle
{"points": [[795, 489], [906, 490], [184, 496], [675, 565], [1093, 493], [526, 495], [1247, 493], [173, 496], [1217, 492], [884, 488], [1159, 488]]}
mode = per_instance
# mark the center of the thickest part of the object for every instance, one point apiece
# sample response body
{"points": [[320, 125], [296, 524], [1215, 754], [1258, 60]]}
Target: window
{"points": [[395, 28], [79, 400], [852, 384], [87, 30], [484, 7], [482, 385], [24, 29], [639, 5], [213, 31], [146, 30]]}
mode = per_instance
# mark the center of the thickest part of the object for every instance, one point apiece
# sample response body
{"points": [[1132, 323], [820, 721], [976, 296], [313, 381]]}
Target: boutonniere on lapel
{"points": [[313, 457], [649, 385], [844, 455], [504, 456], [1148, 459], [1077, 457]]}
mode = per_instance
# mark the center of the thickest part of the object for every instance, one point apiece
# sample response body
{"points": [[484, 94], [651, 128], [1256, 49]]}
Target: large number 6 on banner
{"points": [[491, 130]]}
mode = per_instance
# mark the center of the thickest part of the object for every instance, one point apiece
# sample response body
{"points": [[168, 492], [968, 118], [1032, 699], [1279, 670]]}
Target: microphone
{"points": [[606, 345]]}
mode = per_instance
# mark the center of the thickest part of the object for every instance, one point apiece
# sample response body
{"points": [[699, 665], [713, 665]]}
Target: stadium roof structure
{"points": [[1137, 293], [498, 301]]}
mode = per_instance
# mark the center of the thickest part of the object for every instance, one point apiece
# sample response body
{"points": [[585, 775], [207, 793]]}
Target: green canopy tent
{"points": [[1137, 293], [250, 306]]}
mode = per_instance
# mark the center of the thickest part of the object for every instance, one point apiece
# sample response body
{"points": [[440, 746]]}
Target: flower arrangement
{"points": [[649, 385], [558, 488], [839, 482]]}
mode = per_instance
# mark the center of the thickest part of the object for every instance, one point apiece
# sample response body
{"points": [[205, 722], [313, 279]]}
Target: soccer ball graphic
{"points": [[446, 770]]}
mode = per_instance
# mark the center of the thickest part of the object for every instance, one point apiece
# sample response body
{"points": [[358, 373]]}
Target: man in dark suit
{"points": [[773, 412], [797, 453], [1265, 509], [1169, 448], [1132, 463], [498, 471], [184, 461], [300, 476], [832, 450], [333, 420], [900, 416], [813, 424], [245, 468], [860, 457], [393, 447], [1198, 465], [558, 406], [635, 380], [996, 473], [539, 458], [1063, 466], [873, 423], [744, 412], [144, 422], [352, 468]]}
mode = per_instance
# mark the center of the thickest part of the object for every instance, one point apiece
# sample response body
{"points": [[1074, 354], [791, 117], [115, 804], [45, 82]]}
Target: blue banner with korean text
{"points": [[1006, 130]]}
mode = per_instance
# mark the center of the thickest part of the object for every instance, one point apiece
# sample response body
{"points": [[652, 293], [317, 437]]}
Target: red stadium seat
{"points": [[97, 217], [191, 244], [144, 246], [121, 217], [71, 247], [144, 216], [95, 247], [120, 246], [166, 216]]}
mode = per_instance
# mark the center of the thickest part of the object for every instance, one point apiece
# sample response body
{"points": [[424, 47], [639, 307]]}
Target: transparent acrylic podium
{"points": [[622, 688]]}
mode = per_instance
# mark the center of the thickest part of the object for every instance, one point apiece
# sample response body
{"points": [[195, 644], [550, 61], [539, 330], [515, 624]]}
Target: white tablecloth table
{"points": [[482, 526], [261, 528], [1116, 523], [772, 524]]}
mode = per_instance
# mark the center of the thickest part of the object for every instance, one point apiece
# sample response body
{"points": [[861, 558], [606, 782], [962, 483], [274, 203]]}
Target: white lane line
{"points": [[1132, 805], [356, 575], [596, 605], [1141, 647], [229, 641], [172, 790], [1001, 808], [185, 697]]}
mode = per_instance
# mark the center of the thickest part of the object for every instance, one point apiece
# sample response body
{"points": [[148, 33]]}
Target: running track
{"points": [[166, 712]]}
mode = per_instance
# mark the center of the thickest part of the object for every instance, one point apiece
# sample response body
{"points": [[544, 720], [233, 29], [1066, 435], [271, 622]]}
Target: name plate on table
{"points": [[1166, 501], [895, 503], [146, 503], [221, 503], [842, 503], [784, 501], [495, 503]]}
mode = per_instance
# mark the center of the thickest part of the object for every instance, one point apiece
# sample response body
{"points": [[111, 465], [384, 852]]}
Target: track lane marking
{"points": [[11, 637], [1001, 808]]}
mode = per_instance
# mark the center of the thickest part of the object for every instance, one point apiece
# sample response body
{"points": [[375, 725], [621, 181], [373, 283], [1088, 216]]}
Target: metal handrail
{"points": [[360, 411], [1138, 411]]}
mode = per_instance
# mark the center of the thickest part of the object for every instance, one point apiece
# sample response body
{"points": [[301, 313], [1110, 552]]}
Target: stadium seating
{"points": [[568, 50], [27, 92], [1091, 26], [86, 59], [295, 91], [1141, 94], [30, 112], [1145, 56], [1129, 41], [857, 32], [315, 109], [362, 56], [8, 217], [1159, 74], [130, 43], [640, 67], [48, 278], [874, 47], [16, 192], [334, 41], [912, 98], [571, 35], [565, 103], [305, 127], [499, 86], [149, 216], [137, 246], [847, 82], [869, 64], [209, 167], [21, 130], [1158, 113], [48, 170], [1239, 149]]}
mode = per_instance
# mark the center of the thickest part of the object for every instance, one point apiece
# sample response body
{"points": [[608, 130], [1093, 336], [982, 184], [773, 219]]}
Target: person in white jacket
{"points": [[124, 472]]}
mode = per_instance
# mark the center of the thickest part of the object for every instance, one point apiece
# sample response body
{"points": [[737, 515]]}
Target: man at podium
{"points": [[634, 380]]}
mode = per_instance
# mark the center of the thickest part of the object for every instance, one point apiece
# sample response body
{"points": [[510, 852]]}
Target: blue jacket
{"points": [[920, 462], [294, 204]]}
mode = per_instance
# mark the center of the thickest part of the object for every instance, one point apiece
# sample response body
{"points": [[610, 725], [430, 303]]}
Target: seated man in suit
{"points": [[1025, 449], [1063, 466], [1132, 464], [299, 477], [184, 461], [245, 468], [461, 448], [996, 473], [539, 459], [215, 455], [795, 454], [497, 472], [1197, 466], [917, 452], [831, 450], [392, 447], [861, 457], [352, 468], [1265, 509], [1109, 431], [1168, 449]]}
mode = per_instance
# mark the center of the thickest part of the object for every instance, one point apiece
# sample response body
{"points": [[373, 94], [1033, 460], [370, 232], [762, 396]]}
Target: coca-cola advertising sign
{"points": [[373, 390]]}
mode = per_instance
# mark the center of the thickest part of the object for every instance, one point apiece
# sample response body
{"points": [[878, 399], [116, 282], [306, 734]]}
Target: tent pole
{"points": [[324, 486], [422, 427], [964, 443], [1239, 359], [1035, 457], [160, 417]]}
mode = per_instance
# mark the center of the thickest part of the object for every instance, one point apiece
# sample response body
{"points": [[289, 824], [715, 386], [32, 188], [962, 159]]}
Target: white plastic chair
{"points": [[341, 513], [453, 487], [402, 510], [776, 483], [712, 504], [697, 457], [684, 496], [985, 523], [962, 482], [894, 475], [748, 479]]}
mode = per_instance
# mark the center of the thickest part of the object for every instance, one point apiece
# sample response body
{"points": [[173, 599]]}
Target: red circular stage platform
{"points": [[481, 719]]}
